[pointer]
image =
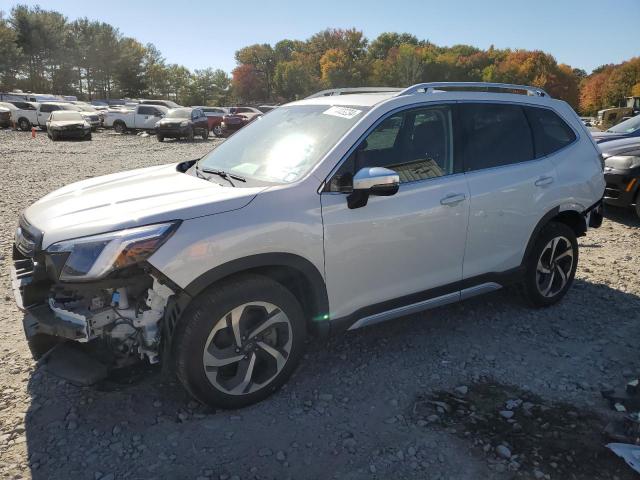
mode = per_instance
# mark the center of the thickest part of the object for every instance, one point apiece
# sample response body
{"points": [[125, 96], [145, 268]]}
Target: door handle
{"points": [[452, 199], [542, 181]]}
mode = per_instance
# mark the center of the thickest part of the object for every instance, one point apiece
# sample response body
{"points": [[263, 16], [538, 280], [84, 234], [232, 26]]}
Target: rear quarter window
{"points": [[550, 132], [494, 135]]}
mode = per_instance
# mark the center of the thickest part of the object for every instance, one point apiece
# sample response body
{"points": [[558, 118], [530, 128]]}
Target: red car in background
{"points": [[237, 118], [214, 117]]}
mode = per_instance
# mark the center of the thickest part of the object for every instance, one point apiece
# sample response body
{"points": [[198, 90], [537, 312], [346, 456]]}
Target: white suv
{"points": [[327, 213]]}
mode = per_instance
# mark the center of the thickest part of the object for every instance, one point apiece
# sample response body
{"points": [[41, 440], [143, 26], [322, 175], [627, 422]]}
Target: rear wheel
{"points": [[637, 207], [87, 136], [119, 127], [205, 134], [239, 342], [24, 124], [217, 131], [551, 266], [54, 136], [190, 134], [160, 137]]}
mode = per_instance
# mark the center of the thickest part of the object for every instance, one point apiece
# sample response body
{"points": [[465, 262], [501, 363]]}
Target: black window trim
{"points": [[457, 165], [522, 105]]}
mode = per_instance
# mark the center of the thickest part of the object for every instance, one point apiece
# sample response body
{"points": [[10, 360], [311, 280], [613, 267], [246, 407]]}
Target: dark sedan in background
{"points": [[622, 172], [183, 122], [630, 128]]}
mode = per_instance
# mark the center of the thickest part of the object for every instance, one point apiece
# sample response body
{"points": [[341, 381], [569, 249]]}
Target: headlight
{"points": [[91, 258], [184, 124], [622, 162]]}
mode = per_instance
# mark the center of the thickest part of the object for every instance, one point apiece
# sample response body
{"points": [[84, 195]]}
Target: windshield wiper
{"points": [[221, 173]]}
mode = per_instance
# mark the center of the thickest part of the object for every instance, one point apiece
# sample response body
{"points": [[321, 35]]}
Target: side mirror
{"points": [[372, 181]]}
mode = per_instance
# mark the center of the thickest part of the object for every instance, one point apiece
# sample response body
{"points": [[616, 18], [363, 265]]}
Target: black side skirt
{"points": [[508, 277]]}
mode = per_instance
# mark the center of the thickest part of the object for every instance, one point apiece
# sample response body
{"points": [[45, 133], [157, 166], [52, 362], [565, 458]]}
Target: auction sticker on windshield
{"points": [[342, 112]]}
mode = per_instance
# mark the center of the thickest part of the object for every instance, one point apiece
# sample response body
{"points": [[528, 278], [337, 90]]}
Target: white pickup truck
{"points": [[144, 117]]}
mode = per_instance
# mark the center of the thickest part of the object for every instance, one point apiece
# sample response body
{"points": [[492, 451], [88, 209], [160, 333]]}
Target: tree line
{"points": [[41, 51]]}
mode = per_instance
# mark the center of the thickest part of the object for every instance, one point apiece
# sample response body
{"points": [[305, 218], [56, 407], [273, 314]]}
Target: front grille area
{"points": [[27, 238]]}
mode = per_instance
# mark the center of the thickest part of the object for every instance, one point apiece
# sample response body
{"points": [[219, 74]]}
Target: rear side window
{"points": [[550, 132], [494, 135]]}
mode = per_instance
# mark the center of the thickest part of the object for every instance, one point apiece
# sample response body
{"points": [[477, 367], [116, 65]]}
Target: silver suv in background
{"points": [[328, 213]]}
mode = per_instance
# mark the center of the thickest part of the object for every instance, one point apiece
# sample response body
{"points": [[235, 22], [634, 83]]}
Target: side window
{"points": [[417, 144], [494, 135], [46, 108], [146, 110], [550, 132]]}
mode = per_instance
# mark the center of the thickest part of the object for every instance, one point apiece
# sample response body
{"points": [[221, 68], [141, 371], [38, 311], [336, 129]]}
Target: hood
{"points": [[625, 146], [600, 137], [129, 199], [66, 123]]}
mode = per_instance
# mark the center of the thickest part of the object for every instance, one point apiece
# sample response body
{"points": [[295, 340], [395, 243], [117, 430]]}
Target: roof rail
{"points": [[353, 90], [430, 87]]}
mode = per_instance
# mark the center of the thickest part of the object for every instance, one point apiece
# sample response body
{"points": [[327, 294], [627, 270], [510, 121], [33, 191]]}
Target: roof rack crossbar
{"points": [[430, 87]]}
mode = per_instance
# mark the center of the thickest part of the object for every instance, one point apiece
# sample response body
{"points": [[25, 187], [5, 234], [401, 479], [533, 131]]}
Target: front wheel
{"points": [[551, 266], [239, 342], [24, 124], [119, 127], [190, 135], [217, 131], [160, 137]]}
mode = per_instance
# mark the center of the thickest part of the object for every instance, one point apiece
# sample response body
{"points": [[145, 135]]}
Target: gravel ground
{"points": [[356, 406]]}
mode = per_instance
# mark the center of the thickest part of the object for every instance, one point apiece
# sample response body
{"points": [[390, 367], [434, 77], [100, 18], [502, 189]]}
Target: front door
{"points": [[406, 245]]}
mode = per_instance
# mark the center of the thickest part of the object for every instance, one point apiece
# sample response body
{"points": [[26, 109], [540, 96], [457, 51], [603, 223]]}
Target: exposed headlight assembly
{"points": [[622, 162], [92, 258]]}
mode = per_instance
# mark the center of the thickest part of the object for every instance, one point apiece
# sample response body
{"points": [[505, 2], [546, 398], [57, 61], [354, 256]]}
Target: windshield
{"points": [[628, 126], [64, 116], [179, 113], [284, 144]]}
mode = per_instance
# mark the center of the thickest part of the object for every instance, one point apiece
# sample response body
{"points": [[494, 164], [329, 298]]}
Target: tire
{"points": [[54, 136], [87, 137], [190, 135], [119, 127], [551, 265], [205, 134], [206, 330], [217, 131], [160, 138], [24, 124]]}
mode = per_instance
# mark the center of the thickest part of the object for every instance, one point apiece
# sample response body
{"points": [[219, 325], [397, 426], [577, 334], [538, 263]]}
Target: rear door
{"points": [[511, 186], [397, 250]]}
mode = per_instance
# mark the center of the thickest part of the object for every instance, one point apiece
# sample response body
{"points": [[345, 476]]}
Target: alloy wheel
{"points": [[554, 266], [247, 348]]}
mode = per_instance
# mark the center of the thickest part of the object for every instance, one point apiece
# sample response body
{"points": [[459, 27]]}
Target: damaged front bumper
{"points": [[123, 314]]}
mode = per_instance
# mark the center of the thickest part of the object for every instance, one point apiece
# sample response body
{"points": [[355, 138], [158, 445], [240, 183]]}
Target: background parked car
{"points": [[26, 114], [12, 109], [5, 117], [184, 122], [630, 128], [68, 124], [622, 172], [162, 103], [237, 118], [214, 116], [94, 116], [144, 117]]}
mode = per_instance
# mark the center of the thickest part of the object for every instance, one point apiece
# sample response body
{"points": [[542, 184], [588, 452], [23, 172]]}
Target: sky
{"points": [[206, 33]]}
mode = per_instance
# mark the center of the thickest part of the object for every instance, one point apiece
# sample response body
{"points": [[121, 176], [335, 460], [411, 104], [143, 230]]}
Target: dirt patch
{"points": [[519, 432]]}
